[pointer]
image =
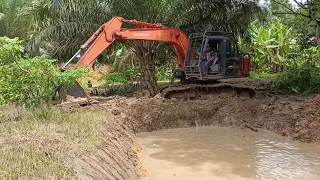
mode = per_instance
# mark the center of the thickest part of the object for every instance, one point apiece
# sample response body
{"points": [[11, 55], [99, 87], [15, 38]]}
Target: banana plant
{"points": [[270, 44]]}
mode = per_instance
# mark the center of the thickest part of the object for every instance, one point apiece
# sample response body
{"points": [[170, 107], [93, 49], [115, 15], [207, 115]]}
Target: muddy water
{"points": [[227, 153]]}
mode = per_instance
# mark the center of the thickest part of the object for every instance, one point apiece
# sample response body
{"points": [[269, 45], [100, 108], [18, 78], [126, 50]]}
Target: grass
{"points": [[255, 75], [42, 144]]}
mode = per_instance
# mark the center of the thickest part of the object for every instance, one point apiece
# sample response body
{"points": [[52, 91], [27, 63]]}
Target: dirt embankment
{"points": [[290, 116], [117, 157]]}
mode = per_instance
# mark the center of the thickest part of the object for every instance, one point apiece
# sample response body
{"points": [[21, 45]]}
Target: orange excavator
{"points": [[194, 70]]}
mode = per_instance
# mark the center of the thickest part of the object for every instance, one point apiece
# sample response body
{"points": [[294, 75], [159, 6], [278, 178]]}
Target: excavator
{"points": [[195, 77]]}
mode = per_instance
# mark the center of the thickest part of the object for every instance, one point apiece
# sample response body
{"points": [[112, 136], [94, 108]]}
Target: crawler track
{"points": [[199, 91], [238, 88]]}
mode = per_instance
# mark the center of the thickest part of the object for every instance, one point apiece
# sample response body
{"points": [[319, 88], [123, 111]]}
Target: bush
{"points": [[123, 77], [269, 43], [163, 73], [255, 75], [300, 79], [29, 81], [115, 78], [121, 83]]}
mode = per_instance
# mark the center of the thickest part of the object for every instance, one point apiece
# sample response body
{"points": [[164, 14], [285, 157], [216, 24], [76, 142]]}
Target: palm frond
{"points": [[61, 26]]}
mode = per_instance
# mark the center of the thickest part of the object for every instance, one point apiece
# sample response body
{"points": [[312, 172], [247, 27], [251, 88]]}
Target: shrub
{"points": [[29, 80], [300, 79], [114, 78], [126, 76], [163, 73]]}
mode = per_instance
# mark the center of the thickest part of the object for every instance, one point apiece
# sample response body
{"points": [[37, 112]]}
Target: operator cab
{"points": [[228, 60]]}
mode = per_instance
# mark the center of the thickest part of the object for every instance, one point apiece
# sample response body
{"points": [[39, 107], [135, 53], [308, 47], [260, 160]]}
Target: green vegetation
{"points": [[164, 73], [277, 35], [255, 75], [43, 143], [270, 43], [29, 80], [124, 77], [285, 44], [301, 78]]}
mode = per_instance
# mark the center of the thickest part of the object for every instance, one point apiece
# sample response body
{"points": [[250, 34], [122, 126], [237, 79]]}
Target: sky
{"points": [[291, 1]]}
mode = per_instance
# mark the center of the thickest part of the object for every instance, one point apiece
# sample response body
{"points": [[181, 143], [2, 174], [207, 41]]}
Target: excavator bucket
{"points": [[76, 91]]}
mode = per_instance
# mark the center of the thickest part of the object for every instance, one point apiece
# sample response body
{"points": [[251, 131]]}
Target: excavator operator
{"points": [[211, 58]]}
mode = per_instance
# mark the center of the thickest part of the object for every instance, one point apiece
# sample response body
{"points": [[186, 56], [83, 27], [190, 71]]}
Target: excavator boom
{"points": [[112, 30]]}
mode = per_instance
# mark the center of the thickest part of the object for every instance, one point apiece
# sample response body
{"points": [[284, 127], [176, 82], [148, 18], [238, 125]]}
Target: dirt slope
{"points": [[118, 157]]}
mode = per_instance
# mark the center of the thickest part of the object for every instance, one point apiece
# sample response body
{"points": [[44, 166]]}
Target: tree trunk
{"points": [[313, 14], [318, 40], [173, 68], [146, 51]]}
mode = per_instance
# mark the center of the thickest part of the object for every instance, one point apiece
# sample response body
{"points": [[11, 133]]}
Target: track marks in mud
{"points": [[117, 157]]}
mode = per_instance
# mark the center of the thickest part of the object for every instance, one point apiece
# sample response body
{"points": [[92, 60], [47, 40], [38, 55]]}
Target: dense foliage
{"points": [[285, 41], [29, 80], [300, 79], [270, 43], [129, 75], [280, 37]]}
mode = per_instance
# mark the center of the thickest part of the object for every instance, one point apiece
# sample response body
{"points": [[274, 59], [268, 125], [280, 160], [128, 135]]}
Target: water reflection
{"points": [[281, 160], [228, 153]]}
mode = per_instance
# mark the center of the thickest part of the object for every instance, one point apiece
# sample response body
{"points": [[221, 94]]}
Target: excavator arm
{"points": [[112, 30]]}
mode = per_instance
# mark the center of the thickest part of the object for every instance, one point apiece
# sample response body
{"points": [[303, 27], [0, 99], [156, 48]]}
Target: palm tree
{"points": [[10, 23], [124, 58], [224, 15], [61, 26]]}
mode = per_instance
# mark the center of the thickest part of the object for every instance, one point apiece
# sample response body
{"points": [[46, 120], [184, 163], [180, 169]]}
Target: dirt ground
{"points": [[292, 116]]}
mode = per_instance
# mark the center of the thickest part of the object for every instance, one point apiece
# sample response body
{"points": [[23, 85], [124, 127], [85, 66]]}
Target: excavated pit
{"points": [[119, 155], [295, 117]]}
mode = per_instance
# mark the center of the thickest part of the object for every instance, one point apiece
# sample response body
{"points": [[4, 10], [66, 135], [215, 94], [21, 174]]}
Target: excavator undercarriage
{"points": [[203, 91], [189, 91]]}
